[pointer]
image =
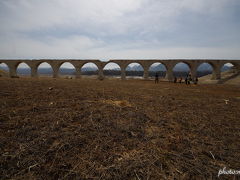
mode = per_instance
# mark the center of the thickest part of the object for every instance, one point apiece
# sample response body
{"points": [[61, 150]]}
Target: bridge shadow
{"points": [[221, 81]]}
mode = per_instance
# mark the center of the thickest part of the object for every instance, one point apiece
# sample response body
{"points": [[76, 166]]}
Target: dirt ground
{"points": [[113, 129]]}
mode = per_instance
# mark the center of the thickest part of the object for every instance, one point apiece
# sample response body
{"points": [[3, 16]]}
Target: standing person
{"points": [[180, 80], [189, 78], [186, 80], [196, 81], [175, 79], [156, 78]]}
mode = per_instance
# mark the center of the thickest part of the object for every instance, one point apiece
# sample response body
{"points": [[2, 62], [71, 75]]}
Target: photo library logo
{"points": [[229, 171]]}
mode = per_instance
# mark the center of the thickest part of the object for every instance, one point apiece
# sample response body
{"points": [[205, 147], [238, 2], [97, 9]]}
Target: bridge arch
{"points": [[182, 62], [181, 69], [90, 63], [134, 69], [112, 69], [163, 63], [227, 66], [66, 69], [229, 70], [44, 69], [157, 67], [204, 69], [23, 69], [89, 69]]}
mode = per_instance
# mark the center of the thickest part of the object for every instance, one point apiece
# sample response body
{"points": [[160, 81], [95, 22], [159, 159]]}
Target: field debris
{"points": [[226, 101], [119, 103]]}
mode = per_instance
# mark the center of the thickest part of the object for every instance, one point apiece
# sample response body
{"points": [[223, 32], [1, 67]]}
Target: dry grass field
{"points": [[113, 129]]}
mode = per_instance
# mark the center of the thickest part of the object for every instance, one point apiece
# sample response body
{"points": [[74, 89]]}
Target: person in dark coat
{"points": [[196, 80], [175, 79], [156, 78]]}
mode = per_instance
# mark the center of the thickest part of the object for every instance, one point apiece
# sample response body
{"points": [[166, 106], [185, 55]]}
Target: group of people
{"points": [[188, 79]]}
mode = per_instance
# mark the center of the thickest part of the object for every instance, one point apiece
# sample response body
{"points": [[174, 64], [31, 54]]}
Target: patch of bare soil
{"points": [[113, 129]]}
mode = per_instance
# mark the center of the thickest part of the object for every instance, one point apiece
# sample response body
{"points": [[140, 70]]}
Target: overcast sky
{"points": [[107, 29]]}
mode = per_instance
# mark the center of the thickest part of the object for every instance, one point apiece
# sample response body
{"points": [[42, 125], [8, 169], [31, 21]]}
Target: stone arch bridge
{"points": [[123, 63]]}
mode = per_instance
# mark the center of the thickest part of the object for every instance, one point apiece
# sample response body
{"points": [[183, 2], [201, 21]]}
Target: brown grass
{"points": [[113, 129]]}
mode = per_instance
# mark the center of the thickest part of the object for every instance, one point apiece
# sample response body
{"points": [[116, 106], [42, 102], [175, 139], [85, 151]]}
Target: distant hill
{"points": [[159, 67], [134, 68]]}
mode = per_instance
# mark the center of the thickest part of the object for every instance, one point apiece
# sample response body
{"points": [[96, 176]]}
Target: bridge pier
{"points": [[12, 70], [123, 74], [146, 73], [34, 71], [216, 74], [193, 72], [100, 73], [169, 75], [78, 72], [122, 66]]}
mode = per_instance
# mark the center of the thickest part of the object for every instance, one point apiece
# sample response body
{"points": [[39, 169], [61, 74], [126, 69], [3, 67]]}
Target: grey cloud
{"points": [[113, 28]]}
